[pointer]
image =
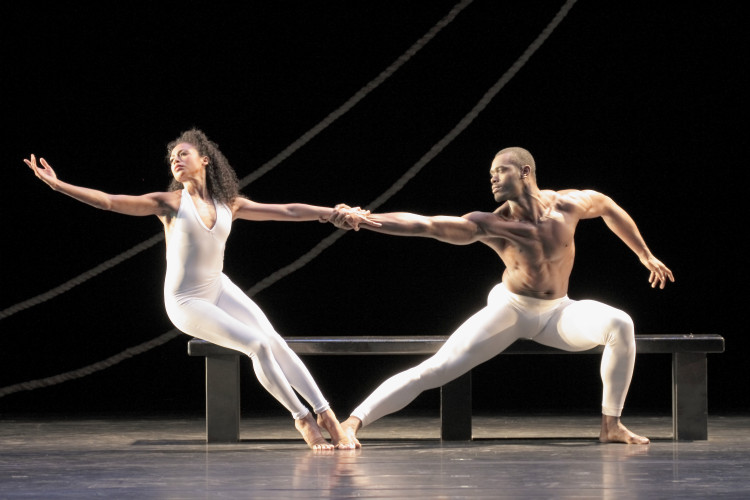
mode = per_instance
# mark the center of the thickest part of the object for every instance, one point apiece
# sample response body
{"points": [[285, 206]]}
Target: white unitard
{"points": [[202, 302], [562, 323]]}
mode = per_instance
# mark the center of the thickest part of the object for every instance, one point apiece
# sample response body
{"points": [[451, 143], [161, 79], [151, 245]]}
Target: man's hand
{"points": [[345, 217], [659, 272]]}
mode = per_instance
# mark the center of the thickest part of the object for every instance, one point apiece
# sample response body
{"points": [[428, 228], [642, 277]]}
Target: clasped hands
{"points": [[345, 217]]}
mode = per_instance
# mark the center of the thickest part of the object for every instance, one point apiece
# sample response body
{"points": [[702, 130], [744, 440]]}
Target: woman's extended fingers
{"points": [[357, 216], [367, 220], [31, 162], [346, 217], [45, 172], [338, 217]]}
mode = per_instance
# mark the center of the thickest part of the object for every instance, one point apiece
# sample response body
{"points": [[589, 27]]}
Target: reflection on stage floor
{"points": [[520, 456]]}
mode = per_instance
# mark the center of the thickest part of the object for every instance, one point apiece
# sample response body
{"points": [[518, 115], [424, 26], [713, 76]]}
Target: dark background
{"points": [[641, 100]]}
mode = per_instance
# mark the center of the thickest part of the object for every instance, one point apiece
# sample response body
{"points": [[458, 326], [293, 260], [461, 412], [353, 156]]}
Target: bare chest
{"points": [[547, 241]]}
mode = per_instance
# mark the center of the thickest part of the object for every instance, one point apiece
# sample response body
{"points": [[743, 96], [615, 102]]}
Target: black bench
{"points": [[689, 377]]}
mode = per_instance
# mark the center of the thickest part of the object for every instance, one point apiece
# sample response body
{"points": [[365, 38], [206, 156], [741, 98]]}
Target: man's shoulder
{"points": [[484, 220], [574, 200], [478, 215], [565, 196], [562, 192]]}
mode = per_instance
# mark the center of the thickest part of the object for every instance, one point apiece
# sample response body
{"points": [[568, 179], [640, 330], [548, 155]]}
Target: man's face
{"points": [[505, 177]]}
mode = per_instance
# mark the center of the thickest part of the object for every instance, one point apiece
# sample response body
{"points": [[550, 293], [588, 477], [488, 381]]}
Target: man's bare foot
{"points": [[614, 432], [350, 427], [340, 439], [310, 431]]}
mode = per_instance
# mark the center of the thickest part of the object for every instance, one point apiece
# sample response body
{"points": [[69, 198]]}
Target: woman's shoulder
{"points": [[238, 202], [168, 200]]}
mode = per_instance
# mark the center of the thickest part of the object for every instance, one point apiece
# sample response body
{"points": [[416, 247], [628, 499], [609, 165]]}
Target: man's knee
{"points": [[621, 330]]}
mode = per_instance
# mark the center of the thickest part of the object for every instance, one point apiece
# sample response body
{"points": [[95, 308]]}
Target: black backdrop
{"points": [[640, 100]]}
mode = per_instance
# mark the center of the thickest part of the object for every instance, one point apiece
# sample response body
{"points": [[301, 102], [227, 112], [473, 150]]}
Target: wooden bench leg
{"points": [[689, 396], [222, 399], [455, 409]]}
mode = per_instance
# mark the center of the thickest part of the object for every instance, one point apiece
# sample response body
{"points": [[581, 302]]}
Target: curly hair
{"points": [[221, 179]]}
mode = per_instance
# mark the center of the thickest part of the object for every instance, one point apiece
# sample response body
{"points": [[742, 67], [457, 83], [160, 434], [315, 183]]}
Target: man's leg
{"points": [[478, 339], [581, 325]]}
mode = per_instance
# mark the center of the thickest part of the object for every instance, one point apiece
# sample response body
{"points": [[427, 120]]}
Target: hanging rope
{"points": [[332, 238], [260, 171]]}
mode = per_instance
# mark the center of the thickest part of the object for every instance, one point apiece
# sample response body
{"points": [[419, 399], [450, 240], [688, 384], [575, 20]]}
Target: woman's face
{"points": [[186, 163]]}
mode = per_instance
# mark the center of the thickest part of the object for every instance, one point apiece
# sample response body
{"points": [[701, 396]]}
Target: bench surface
{"points": [[429, 344]]}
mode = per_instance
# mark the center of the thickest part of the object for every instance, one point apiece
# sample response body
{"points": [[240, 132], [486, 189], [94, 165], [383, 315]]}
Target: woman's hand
{"points": [[45, 172], [346, 217]]}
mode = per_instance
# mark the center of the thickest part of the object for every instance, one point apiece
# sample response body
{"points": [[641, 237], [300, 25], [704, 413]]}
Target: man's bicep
{"points": [[456, 230], [594, 204]]}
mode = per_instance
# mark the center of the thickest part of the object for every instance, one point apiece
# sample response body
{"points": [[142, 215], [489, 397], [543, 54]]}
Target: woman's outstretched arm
{"points": [[295, 212], [159, 203]]}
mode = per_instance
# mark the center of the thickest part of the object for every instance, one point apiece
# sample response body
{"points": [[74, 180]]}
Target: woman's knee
{"points": [[258, 342], [257, 347]]}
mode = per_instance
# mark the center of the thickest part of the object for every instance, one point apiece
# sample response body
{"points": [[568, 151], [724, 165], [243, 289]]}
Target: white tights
{"points": [[562, 323], [233, 320]]}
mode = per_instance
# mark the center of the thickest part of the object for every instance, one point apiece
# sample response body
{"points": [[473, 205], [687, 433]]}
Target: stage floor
{"points": [[402, 457]]}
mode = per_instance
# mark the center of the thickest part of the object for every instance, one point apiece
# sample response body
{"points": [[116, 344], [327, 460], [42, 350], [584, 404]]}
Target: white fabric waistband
{"points": [[524, 302]]}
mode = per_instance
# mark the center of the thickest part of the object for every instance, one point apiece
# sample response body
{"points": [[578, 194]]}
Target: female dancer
{"points": [[197, 212]]}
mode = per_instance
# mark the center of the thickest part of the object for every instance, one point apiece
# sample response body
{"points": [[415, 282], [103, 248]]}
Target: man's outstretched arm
{"points": [[449, 229]]}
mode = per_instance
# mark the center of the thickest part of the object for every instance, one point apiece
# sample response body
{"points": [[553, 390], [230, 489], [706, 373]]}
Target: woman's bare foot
{"points": [[614, 432], [340, 439], [308, 427], [350, 427]]}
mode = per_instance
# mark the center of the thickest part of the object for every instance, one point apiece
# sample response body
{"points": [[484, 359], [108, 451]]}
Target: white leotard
{"points": [[563, 323], [201, 301], [195, 253]]}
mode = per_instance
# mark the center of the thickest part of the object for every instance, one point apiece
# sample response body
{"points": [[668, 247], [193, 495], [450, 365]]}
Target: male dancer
{"points": [[532, 233]]}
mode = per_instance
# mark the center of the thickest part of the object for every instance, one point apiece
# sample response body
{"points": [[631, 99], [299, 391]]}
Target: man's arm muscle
{"points": [[448, 229]]}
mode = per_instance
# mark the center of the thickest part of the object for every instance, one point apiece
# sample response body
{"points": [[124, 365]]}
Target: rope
{"points": [[353, 100], [92, 368], [58, 290], [478, 108], [332, 238], [260, 171], [432, 153]]}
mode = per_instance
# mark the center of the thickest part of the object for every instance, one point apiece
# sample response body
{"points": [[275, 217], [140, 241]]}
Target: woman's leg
{"points": [[204, 320], [241, 307], [293, 370]]}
